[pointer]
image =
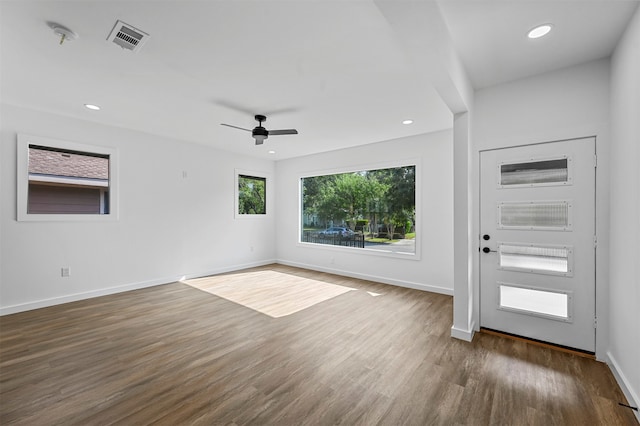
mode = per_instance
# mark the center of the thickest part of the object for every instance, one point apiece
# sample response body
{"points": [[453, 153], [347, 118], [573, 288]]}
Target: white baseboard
{"points": [[374, 278], [466, 335], [623, 382], [43, 303], [227, 269]]}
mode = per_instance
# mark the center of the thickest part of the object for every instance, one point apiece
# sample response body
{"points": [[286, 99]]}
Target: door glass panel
{"points": [[534, 301], [551, 260], [532, 215], [535, 172]]}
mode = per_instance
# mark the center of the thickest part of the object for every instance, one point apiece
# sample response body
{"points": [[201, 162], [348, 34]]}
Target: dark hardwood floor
{"points": [[175, 355]]}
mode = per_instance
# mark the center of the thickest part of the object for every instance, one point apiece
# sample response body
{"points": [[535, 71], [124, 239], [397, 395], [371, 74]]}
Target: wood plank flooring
{"points": [[174, 355]]}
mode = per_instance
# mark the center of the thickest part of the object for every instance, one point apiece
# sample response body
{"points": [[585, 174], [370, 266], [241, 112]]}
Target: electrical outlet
{"points": [[65, 271]]}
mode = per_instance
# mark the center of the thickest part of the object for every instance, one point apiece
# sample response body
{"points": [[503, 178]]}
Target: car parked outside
{"points": [[337, 230]]}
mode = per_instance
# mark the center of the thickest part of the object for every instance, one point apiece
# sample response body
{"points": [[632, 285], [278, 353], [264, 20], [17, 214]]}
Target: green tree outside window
{"points": [[378, 204], [251, 195]]}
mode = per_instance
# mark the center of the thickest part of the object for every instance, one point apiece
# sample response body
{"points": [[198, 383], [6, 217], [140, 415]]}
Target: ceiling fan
{"points": [[259, 133]]}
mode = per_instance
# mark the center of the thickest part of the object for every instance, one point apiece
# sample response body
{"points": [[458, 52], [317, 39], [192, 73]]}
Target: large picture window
{"points": [[59, 180], [366, 209]]}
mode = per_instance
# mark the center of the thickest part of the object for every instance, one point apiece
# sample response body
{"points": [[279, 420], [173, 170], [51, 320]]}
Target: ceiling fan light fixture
{"points": [[539, 31], [259, 139]]}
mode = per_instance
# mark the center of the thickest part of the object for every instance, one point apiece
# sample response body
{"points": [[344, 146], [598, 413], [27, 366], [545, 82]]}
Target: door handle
{"points": [[488, 250]]}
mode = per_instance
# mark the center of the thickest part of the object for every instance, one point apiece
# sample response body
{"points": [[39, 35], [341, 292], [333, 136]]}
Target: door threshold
{"points": [[535, 342]]}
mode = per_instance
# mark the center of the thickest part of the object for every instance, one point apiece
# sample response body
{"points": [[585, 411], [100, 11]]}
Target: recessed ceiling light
{"points": [[272, 152], [92, 107], [539, 31], [407, 122]]}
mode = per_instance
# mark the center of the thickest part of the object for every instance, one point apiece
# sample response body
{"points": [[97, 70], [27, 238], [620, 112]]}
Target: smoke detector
{"points": [[127, 37]]}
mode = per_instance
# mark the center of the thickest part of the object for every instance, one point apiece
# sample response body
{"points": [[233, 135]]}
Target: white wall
{"points": [[564, 104], [464, 325], [624, 298], [169, 226], [434, 270]]}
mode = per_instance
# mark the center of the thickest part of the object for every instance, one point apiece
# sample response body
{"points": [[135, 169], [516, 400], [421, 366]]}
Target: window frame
{"points": [[22, 178], [416, 162], [267, 193]]}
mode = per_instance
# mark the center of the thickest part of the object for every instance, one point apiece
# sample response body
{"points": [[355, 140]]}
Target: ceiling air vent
{"points": [[127, 37]]}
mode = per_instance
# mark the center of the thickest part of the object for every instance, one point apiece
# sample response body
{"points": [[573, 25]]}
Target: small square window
{"points": [[251, 194], [59, 180], [67, 182]]}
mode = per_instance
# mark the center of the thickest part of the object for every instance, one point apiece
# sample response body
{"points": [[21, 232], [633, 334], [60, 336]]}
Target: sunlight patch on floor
{"points": [[273, 293]]}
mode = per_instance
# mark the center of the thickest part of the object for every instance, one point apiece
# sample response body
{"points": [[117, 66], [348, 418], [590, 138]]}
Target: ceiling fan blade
{"points": [[234, 106], [235, 127], [283, 132]]}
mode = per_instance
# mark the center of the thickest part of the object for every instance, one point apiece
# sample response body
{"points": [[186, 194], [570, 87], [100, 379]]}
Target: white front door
{"points": [[537, 258]]}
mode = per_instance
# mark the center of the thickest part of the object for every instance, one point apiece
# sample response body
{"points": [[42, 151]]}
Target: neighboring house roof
{"points": [[56, 163]]}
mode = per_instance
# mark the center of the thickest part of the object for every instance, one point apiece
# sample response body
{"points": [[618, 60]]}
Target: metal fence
{"points": [[355, 240]]}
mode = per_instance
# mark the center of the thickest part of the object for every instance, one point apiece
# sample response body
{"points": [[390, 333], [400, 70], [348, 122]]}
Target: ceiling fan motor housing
{"points": [[260, 134], [260, 131]]}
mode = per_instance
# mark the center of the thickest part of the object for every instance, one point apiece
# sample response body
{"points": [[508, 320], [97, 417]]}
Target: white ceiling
{"points": [[490, 36], [335, 70]]}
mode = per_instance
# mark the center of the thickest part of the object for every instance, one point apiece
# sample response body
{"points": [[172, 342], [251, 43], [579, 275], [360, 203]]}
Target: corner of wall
{"points": [[466, 335], [624, 383]]}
